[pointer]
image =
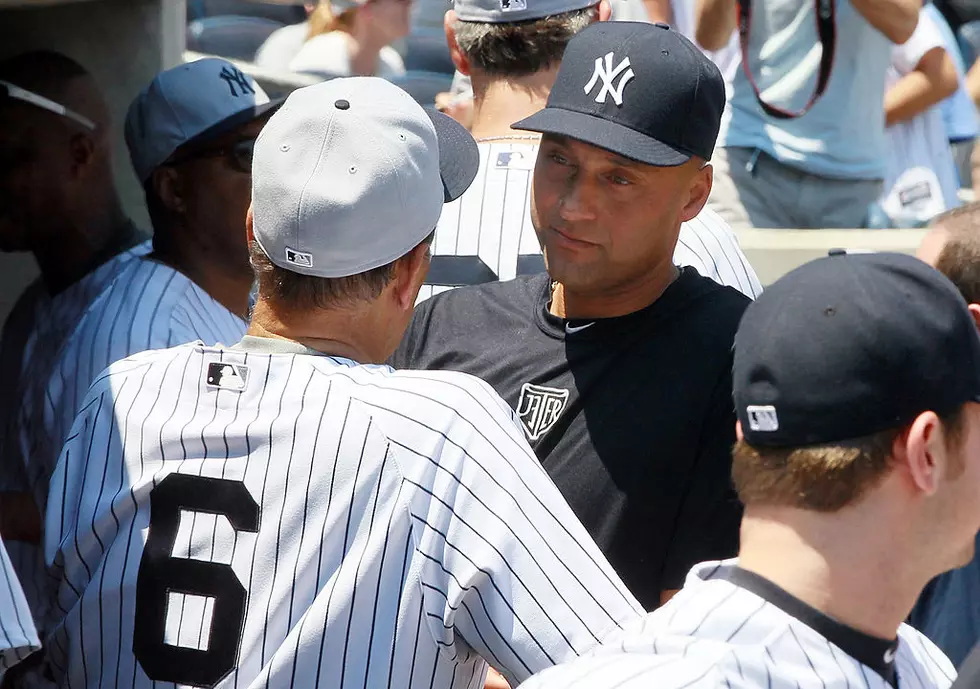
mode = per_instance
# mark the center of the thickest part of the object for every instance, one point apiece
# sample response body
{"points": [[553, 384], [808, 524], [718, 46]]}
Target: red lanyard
{"points": [[827, 31]]}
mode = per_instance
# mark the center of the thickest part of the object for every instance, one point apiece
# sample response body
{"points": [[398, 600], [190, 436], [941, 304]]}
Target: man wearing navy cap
{"points": [[856, 382], [617, 362]]}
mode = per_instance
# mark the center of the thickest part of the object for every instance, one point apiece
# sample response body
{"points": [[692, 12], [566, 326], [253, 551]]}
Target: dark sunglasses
{"points": [[237, 155]]}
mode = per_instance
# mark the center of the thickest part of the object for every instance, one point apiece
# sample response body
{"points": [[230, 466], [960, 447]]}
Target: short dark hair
{"points": [[306, 292], [515, 49], [825, 477], [959, 259]]}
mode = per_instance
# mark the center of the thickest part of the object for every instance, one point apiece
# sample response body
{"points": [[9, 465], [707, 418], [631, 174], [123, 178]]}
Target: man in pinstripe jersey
{"points": [[857, 388], [288, 512], [488, 234], [617, 361]]}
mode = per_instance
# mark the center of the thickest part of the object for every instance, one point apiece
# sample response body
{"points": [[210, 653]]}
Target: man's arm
{"points": [[933, 80], [714, 22], [518, 576], [896, 19]]}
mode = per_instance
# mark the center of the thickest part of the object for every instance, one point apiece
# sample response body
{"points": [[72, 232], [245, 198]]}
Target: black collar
{"points": [[875, 652]]}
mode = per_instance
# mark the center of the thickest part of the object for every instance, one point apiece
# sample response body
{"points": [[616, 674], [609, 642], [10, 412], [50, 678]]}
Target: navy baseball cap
{"points": [[640, 90], [849, 345]]}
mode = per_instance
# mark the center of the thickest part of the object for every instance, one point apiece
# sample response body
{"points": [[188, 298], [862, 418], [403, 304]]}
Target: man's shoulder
{"points": [[709, 303], [919, 651], [468, 304]]}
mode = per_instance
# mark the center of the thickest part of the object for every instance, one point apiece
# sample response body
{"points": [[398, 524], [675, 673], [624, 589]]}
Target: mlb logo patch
{"points": [[513, 5], [514, 160], [762, 418], [227, 376], [299, 258]]}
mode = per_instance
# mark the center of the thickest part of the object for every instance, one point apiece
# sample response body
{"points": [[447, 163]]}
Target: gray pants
{"points": [[753, 189]]}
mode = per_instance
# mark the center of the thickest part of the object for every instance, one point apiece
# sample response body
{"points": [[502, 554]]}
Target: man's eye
{"points": [[558, 158]]}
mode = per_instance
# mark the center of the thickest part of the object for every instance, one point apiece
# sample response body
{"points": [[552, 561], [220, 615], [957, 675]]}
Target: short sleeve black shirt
{"points": [[632, 416]]}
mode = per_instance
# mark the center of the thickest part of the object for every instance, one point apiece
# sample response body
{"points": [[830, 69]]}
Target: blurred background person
{"points": [[284, 44], [807, 159], [354, 37], [920, 174]]}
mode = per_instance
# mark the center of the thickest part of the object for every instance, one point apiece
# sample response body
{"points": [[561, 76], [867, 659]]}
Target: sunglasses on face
{"points": [[10, 91], [238, 155]]}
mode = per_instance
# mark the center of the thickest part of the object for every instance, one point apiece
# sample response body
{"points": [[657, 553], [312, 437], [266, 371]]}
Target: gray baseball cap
{"points": [[507, 11], [192, 102], [351, 174]]}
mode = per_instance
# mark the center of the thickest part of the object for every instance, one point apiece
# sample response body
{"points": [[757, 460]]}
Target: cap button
{"points": [[661, 25], [342, 104]]}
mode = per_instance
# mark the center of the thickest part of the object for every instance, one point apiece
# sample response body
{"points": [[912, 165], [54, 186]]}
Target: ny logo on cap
{"points": [[513, 5], [299, 258], [234, 77], [607, 74]]}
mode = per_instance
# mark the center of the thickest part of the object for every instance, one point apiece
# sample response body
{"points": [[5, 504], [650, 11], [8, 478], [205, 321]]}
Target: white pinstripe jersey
{"points": [[486, 234], [33, 336], [148, 306], [261, 516], [715, 633], [18, 638]]}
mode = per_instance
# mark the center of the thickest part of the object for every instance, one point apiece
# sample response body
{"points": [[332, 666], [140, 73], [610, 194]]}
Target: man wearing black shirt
{"points": [[617, 362]]}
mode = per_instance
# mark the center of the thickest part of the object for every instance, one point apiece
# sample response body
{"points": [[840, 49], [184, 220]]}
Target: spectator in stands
{"points": [[920, 175], [825, 167], [948, 612], [284, 44], [959, 111], [353, 38]]}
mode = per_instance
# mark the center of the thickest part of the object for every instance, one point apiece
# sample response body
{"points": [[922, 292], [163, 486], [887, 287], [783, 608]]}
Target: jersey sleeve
{"points": [[710, 514], [508, 569], [709, 244], [926, 37], [18, 637]]}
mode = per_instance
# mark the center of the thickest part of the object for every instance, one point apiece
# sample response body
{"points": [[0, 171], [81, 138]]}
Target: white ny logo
{"points": [[608, 74]]}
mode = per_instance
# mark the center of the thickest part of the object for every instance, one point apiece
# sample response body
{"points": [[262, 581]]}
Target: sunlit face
{"points": [[605, 221]]}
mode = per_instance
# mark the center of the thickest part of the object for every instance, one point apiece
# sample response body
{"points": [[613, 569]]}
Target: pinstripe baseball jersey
{"points": [[33, 336], [148, 306], [487, 235], [18, 638], [731, 628], [268, 516]]}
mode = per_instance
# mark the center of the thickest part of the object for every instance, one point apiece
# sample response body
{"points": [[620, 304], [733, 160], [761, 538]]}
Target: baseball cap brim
{"points": [[233, 122], [605, 134], [459, 157]]}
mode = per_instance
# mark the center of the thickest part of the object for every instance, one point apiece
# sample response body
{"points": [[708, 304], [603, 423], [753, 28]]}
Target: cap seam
{"points": [[309, 181]]}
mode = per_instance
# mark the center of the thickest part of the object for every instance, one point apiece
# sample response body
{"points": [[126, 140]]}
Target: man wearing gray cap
{"points": [[312, 517], [190, 134], [512, 49]]}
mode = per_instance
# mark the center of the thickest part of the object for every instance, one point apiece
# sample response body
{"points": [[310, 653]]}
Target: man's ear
{"points": [[738, 431], [249, 230], [169, 189], [699, 190], [81, 151], [605, 10], [920, 450], [459, 59], [410, 274], [975, 312]]}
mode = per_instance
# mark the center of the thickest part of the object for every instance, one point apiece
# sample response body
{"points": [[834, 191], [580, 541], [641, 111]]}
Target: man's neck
{"points": [[228, 287], [498, 103], [364, 54], [637, 295], [92, 242], [316, 332], [845, 567]]}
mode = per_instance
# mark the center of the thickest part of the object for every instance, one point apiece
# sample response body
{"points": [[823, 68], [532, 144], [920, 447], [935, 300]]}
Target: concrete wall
{"points": [[123, 43]]}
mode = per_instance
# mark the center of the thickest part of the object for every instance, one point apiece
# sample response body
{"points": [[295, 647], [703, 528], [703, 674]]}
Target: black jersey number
{"points": [[460, 271], [160, 574]]}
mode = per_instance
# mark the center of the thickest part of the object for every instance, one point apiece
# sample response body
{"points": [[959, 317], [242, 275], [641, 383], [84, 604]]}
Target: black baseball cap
{"points": [[849, 345], [637, 89]]}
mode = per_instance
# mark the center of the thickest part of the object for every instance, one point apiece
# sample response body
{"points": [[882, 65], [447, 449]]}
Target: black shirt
{"points": [[631, 416]]}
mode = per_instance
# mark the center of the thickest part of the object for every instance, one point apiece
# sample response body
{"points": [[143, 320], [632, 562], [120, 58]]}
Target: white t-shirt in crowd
{"points": [[282, 46], [920, 176], [329, 53]]}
